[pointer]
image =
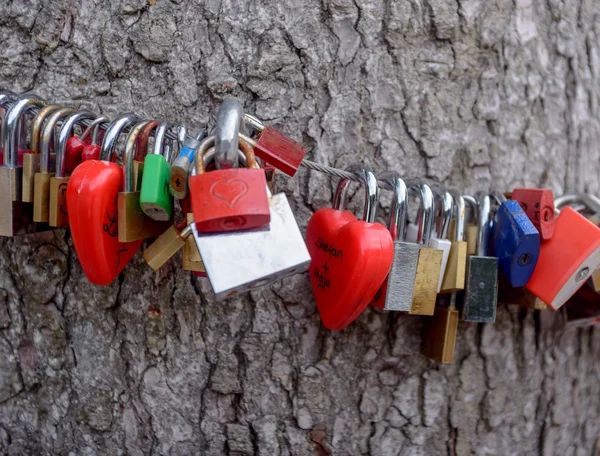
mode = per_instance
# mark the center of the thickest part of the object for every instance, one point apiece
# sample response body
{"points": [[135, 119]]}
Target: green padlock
{"points": [[155, 198]]}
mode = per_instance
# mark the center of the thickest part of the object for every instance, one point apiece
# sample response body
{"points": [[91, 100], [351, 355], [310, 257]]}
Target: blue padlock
{"points": [[515, 241]]}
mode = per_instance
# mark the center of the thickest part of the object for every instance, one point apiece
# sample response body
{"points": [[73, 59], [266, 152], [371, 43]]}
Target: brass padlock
{"points": [[58, 213], [15, 216], [454, 277], [133, 223], [167, 245], [430, 260], [191, 259], [31, 160], [41, 190], [439, 332]]}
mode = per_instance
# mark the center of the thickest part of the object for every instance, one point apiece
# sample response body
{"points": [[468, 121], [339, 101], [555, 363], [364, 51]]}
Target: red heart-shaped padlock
{"points": [[92, 201], [350, 261], [73, 153]]}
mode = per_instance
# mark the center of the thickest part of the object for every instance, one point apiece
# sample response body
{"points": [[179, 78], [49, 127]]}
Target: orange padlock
{"points": [[567, 260]]}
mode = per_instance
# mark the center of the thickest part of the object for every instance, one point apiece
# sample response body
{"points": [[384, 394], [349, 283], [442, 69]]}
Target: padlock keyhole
{"points": [[525, 259], [547, 214], [233, 222]]}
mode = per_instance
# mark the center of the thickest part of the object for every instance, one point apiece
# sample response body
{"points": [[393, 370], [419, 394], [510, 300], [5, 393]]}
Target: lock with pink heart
{"points": [[228, 199], [350, 258]]}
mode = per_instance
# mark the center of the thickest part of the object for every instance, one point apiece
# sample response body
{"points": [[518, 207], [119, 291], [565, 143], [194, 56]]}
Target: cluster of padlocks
{"points": [[116, 184]]}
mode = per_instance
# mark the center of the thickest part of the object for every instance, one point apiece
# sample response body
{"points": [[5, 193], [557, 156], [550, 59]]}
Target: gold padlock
{"points": [[439, 333], [429, 263], [31, 160], [454, 277], [191, 259], [167, 245], [41, 190], [133, 223]]}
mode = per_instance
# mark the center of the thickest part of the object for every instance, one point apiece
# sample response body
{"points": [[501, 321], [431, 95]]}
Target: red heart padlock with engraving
{"points": [[350, 258], [92, 195]]}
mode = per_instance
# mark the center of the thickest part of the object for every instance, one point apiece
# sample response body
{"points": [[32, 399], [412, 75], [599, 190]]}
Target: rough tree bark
{"points": [[473, 94]]}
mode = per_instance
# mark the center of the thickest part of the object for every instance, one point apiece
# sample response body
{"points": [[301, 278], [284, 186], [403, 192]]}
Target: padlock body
{"points": [[41, 197], [279, 150], [567, 260], [190, 258], [58, 214], [538, 204], [471, 233], [454, 277], [426, 281], [31, 166], [230, 200], [155, 198], [481, 290], [439, 335], [163, 248], [134, 225], [254, 258], [16, 217], [92, 196], [396, 293], [515, 242], [583, 308], [180, 170]]}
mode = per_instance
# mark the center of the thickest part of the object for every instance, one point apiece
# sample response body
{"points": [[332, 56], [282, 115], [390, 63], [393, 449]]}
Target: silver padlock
{"points": [[230, 121], [397, 291], [15, 216], [238, 261], [481, 282]]}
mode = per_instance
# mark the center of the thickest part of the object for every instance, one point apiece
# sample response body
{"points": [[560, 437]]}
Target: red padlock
{"points": [[228, 199], [92, 195], [567, 260], [275, 148], [538, 204], [92, 151], [350, 258]]}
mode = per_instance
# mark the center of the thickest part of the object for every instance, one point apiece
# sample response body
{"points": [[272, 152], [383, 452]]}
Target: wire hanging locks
{"points": [[350, 258]]}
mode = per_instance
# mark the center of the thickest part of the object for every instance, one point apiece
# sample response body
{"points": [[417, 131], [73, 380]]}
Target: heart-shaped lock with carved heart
{"points": [[228, 199], [92, 195], [350, 258]]}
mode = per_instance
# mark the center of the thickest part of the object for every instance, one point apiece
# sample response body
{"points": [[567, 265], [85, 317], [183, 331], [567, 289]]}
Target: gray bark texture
{"points": [[474, 94]]}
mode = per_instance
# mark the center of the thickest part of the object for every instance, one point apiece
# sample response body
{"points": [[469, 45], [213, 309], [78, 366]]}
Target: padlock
{"points": [[430, 260], [41, 189], [134, 225], [155, 198], [229, 200], [515, 241], [350, 258], [439, 331], [92, 151], [230, 121], [141, 152], [16, 217], [256, 257], [538, 204], [7, 99], [567, 260], [58, 212], [190, 258], [181, 166], [92, 197], [275, 148], [396, 293], [31, 160], [479, 299], [454, 277]]}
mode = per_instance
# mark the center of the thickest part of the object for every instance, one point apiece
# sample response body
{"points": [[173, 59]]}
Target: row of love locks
{"points": [[116, 184]]}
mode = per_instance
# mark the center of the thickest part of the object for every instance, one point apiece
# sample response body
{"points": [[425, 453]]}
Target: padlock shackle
{"points": [[37, 126], [369, 180], [12, 126], [141, 148], [210, 154], [578, 202], [48, 134], [66, 132], [254, 122], [399, 207], [114, 130], [129, 155], [484, 224], [498, 197], [7, 97], [446, 204], [95, 127], [426, 214], [460, 211], [159, 140], [199, 166], [230, 120]]}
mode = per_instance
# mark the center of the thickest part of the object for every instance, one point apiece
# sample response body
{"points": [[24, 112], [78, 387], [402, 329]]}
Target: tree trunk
{"points": [[474, 94]]}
